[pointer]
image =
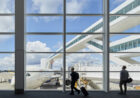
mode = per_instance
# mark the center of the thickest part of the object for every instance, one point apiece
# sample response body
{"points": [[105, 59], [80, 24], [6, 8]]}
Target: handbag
{"points": [[129, 80]]}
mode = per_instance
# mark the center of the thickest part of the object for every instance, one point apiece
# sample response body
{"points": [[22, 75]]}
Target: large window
{"points": [[7, 44], [124, 41], [58, 39], [61, 34]]}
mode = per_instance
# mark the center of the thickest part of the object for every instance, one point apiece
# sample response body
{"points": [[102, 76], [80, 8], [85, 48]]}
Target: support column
{"points": [[19, 46], [106, 46], [64, 44]]}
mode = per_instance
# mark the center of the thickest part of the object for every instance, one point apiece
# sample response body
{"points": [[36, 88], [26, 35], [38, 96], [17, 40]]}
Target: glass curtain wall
{"points": [[7, 44], [44, 45], [124, 41], [61, 34]]}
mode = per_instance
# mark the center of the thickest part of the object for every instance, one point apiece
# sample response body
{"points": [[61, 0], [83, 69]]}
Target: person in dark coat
{"points": [[123, 80], [73, 81]]}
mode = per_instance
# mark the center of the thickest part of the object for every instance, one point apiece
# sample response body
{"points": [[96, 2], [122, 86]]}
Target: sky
{"points": [[50, 24]]}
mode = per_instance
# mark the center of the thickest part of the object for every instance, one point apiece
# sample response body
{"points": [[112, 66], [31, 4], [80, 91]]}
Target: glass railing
{"points": [[120, 47], [125, 46], [95, 44]]}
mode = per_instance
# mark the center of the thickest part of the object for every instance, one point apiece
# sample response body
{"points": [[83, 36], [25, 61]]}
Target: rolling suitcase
{"points": [[84, 91]]}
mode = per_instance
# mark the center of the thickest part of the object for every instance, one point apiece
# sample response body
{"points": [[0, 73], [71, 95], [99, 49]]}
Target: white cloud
{"points": [[34, 59], [6, 22], [56, 6], [37, 46], [58, 45], [4, 6], [47, 6], [7, 60], [83, 58], [4, 38], [76, 6]]}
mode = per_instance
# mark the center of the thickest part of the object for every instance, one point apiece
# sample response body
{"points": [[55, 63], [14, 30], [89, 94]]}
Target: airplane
{"points": [[35, 79]]}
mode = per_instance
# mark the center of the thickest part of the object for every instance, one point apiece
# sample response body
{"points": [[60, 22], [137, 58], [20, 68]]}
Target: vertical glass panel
{"points": [[124, 43], [84, 6], [115, 79], [7, 74], [130, 60], [7, 43], [44, 6], [92, 81], [84, 24], [124, 6], [44, 62], [7, 6], [125, 24], [84, 43], [7, 80], [44, 24], [7, 62], [44, 80], [44, 43], [7, 24], [84, 61]]}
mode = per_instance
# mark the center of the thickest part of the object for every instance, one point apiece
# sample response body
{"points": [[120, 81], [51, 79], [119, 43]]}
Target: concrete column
{"points": [[19, 46]]}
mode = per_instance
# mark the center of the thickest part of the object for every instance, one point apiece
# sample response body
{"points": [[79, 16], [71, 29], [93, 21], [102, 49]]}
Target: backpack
{"points": [[76, 76]]}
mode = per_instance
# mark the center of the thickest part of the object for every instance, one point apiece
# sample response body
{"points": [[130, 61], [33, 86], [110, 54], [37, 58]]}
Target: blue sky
{"points": [[50, 24]]}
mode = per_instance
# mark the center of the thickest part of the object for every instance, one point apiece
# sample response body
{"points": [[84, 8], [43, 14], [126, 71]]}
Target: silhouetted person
{"points": [[123, 80], [74, 78]]}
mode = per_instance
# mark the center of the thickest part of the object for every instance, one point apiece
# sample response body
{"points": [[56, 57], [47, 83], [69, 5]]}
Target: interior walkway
{"points": [[50, 94]]}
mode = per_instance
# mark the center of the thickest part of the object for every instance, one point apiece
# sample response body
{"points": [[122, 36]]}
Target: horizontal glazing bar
{"points": [[124, 52], [7, 33], [8, 71], [44, 14], [43, 33], [44, 52], [76, 71], [60, 33], [84, 14], [128, 71], [32, 14], [125, 33], [75, 33], [124, 14], [62, 71], [5, 52], [7, 14], [84, 52], [63, 52]]}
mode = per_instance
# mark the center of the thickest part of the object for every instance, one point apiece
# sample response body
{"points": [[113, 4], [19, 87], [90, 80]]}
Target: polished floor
{"points": [[50, 94]]}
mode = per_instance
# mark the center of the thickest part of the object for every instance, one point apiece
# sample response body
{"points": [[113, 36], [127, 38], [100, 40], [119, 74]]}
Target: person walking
{"points": [[74, 79], [123, 80]]}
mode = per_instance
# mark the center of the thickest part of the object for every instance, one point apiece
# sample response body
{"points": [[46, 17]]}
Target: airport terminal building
{"points": [[41, 40]]}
